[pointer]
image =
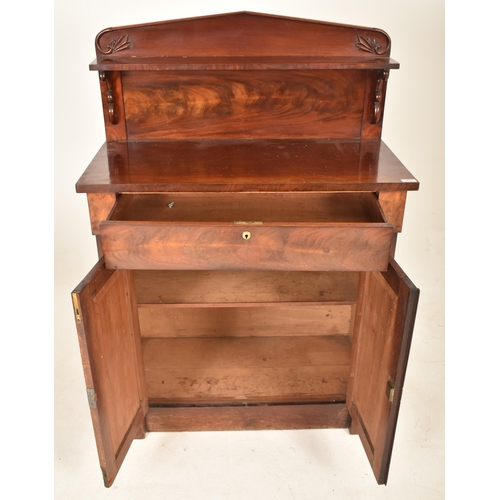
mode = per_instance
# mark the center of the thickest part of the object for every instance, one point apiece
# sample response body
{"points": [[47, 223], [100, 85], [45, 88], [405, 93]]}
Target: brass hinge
{"points": [[91, 397], [389, 390], [76, 308]]}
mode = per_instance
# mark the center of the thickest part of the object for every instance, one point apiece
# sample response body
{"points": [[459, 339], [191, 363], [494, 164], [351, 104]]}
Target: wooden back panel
{"points": [[242, 75], [241, 34], [243, 104]]}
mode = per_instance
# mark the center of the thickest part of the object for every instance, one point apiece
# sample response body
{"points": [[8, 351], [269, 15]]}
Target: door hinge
{"points": [[91, 397], [76, 308], [389, 390]]}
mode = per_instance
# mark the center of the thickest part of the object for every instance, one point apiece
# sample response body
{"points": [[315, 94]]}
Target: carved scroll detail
{"points": [[371, 45], [121, 42], [379, 95], [109, 97]]}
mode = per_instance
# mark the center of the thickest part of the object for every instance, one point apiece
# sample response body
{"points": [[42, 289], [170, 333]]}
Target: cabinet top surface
{"points": [[245, 165]]}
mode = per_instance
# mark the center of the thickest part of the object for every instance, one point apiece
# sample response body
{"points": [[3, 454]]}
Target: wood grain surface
{"points": [[385, 317], [163, 320], [327, 247], [264, 288], [252, 104], [108, 331], [240, 207], [246, 165], [240, 34], [246, 369], [261, 417]]}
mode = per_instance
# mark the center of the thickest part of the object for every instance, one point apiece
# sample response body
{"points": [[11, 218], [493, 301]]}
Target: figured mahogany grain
{"points": [[100, 206], [341, 231], [245, 165], [393, 206], [249, 104], [290, 247]]}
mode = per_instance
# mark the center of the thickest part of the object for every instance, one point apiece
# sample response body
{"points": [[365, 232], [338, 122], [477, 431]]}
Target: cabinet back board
{"points": [[223, 76], [241, 34], [249, 104]]}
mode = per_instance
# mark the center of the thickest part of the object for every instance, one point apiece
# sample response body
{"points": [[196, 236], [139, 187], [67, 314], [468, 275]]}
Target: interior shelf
{"points": [[246, 370]]}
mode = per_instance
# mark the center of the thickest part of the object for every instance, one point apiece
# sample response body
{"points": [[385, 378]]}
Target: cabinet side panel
{"points": [[393, 205], [100, 206]]}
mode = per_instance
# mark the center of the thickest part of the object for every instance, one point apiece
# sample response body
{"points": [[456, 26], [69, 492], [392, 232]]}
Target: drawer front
{"points": [[293, 247]]}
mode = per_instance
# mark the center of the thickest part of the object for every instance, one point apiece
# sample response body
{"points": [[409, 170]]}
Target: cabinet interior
{"points": [[264, 207], [245, 337]]}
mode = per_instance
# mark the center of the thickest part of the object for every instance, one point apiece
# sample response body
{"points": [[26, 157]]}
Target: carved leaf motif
{"points": [[116, 44], [370, 45]]}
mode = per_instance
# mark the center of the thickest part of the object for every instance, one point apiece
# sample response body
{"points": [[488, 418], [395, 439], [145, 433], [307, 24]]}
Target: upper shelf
{"points": [[242, 40], [241, 63], [238, 165]]}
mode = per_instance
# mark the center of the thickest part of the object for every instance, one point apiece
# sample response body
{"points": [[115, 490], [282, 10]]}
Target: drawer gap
{"points": [[350, 207]]}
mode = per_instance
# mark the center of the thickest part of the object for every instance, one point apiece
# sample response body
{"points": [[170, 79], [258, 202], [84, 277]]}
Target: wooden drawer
{"points": [[263, 231]]}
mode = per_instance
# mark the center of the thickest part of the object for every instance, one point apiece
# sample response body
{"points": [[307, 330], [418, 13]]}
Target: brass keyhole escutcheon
{"points": [[246, 235]]}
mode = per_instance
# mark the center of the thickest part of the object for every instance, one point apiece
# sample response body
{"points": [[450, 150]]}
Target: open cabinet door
{"points": [[385, 316], [108, 332]]}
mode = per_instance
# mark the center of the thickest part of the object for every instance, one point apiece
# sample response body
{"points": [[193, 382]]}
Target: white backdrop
{"points": [[413, 129]]}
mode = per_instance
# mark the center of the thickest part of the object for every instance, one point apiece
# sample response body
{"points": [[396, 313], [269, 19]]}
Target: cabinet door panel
{"points": [[385, 317], [108, 332]]}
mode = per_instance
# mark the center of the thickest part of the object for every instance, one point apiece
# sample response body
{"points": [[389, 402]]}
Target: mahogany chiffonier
{"points": [[246, 214]]}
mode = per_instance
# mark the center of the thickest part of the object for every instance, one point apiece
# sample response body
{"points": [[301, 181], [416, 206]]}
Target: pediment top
{"points": [[241, 34]]}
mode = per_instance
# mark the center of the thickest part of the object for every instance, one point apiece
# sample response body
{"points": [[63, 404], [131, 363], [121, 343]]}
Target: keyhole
{"points": [[246, 235]]}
